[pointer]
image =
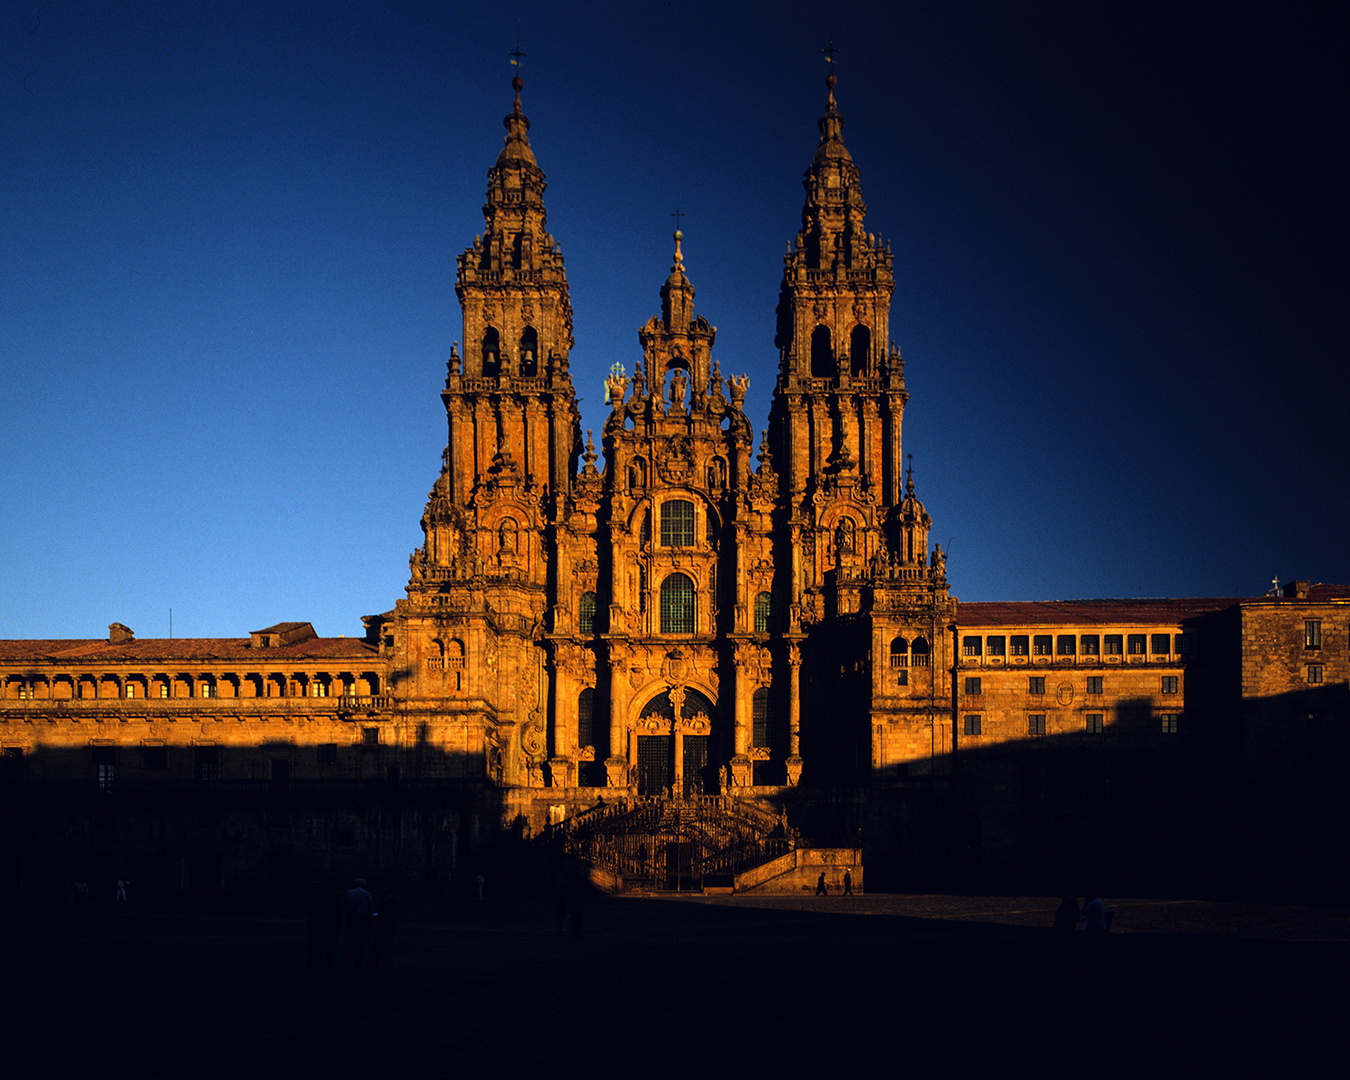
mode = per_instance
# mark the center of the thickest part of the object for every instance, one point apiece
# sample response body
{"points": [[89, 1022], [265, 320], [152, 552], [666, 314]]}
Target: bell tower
{"points": [[841, 387], [511, 395]]}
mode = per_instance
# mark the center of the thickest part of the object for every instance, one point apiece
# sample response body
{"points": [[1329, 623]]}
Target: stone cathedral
{"points": [[673, 623], [710, 663]]}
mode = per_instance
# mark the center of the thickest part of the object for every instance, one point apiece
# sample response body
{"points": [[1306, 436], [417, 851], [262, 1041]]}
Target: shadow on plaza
{"points": [[1221, 809], [653, 985]]}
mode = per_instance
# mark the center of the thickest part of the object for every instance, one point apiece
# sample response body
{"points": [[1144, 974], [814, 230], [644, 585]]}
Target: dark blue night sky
{"points": [[230, 230]]}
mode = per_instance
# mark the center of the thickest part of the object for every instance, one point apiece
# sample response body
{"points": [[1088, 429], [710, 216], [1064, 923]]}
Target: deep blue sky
{"points": [[229, 235]]}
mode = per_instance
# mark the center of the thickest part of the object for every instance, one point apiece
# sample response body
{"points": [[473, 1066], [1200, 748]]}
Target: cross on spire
{"points": [[677, 215]]}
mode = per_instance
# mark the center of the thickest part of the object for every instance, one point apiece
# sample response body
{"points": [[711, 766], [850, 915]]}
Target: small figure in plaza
{"points": [[478, 883], [122, 891], [1096, 922], [357, 908], [1066, 926], [848, 882], [821, 890]]}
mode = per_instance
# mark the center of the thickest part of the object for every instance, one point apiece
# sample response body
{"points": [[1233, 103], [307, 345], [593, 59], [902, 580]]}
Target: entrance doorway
{"points": [[695, 765], [653, 766]]}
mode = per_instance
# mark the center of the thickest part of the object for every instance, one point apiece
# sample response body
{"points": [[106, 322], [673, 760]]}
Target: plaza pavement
{"points": [[876, 985]]}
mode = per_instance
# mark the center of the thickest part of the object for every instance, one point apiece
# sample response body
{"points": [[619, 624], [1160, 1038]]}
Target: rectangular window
{"points": [[1170, 684], [972, 725], [1095, 724], [972, 646], [154, 757], [1312, 633], [972, 686], [328, 753], [1160, 644], [1094, 684], [370, 736], [1092, 644], [163, 690], [1135, 643], [1171, 723], [1036, 724], [1018, 645], [998, 645], [25, 693], [677, 523], [207, 690], [130, 690], [1315, 673], [1113, 645], [318, 689], [1040, 645], [1036, 684], [1182, 645], [207, 763], [1064, 645]]}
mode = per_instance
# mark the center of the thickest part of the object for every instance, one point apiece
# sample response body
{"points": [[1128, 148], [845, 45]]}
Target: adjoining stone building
{"points": [[746, 630]]}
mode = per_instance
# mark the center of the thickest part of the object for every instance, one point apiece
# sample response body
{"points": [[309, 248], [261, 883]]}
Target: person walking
{"points": [[821, 890], [357, 908]]}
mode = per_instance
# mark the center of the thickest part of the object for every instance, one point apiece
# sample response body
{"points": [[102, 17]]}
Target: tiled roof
{"points": [[1085, 612], [164, 650]]}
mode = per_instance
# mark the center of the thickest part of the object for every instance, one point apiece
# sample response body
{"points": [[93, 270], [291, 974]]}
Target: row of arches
{"points": [[906, 653], [494, 363], [179, 685], [826, 365]]}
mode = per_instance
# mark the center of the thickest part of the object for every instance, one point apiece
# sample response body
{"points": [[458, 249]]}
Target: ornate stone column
{"points": [[616, 765], [741, 767], [794, 761]]}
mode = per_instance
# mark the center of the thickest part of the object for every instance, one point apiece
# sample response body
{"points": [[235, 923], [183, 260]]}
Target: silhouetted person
{"points": [[385, 922], [478, 884], [323, 926], [122, 891], [357, 908], [821, 890], [848, 883], [1095, 925], [1066, 929]]}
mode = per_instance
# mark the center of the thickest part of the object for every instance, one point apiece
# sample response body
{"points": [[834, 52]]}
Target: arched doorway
{"points": [[674, 744]]}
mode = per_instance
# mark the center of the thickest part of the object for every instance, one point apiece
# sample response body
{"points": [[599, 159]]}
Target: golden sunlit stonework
{"points": [[687, 665]]}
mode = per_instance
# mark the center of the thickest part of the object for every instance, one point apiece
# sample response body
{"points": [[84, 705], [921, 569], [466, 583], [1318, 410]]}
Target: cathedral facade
{"points": [[759, 626], [656, 626]]}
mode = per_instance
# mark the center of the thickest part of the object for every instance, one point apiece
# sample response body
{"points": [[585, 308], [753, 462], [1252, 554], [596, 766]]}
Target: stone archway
{"points": [[674, 745]]}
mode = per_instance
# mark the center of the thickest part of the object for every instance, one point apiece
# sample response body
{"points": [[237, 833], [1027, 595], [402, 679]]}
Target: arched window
{"points": [[822, 356], [677, 523], [859, 346], [763, 613], [529, 353], [762, 732], [586, 613], [677, 605], [920, 652], [899, 653], [586, 717], [492, 352]]}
